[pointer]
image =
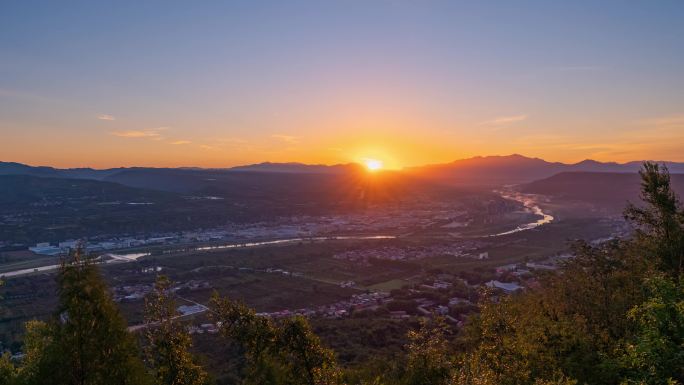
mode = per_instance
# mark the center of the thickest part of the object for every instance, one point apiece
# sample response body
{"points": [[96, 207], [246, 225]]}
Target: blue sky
{"points": [[411, 82]]}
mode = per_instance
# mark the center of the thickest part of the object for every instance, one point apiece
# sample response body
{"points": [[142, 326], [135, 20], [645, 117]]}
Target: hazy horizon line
{"points": [[300, 163]]}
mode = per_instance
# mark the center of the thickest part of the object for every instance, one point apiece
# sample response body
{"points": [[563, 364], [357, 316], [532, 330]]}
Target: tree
{"points": [[659, 225], [520, 340], [569, 327], [429, 354], [600, 285], [255, 335], [307, 361], [37, 339], [8, 372], [89, 341], [656, 354], [168, 342], [287, 352], [560, 380]]}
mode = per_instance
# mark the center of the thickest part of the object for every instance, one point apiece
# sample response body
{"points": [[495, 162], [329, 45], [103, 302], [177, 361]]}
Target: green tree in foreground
{"points": [[430, 361], [307, 361], [257, 337], [8, 373], [36, 341], [89, 341], [168, 342], [659, 225], [7, 370], [656, 354], [568, 327], [285, 352]]}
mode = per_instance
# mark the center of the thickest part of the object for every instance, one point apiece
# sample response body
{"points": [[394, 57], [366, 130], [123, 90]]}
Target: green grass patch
{"points": [[389, 285]]}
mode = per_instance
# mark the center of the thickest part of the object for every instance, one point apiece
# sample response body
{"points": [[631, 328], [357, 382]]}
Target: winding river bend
{"points": [[531, 206]]}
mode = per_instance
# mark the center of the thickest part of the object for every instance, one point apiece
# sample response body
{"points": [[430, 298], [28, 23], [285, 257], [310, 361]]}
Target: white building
{"points": [[506, 287], [44, 248], [70, 244]]}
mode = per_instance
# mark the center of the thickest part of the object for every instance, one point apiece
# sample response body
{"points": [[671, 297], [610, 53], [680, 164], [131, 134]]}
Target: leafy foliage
{"points": [[287, 352], [656, 354], [89, 341], [430, 360], [168, 343], [8, 372], [36, 340], [659, 225]]}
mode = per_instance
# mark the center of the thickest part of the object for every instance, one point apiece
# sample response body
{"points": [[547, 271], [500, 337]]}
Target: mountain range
{"points": [[55, 204], [513, 169], [489, 170]]}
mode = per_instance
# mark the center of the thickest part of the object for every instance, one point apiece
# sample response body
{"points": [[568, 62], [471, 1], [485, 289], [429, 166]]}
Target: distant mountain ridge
{"points": [[295, 167], [13, 168], [495, 170], [513, 169]]}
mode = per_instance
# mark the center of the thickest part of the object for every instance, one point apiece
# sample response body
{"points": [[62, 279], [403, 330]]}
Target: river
{"points": [[527, 201], [132, 257], [530, 206]]}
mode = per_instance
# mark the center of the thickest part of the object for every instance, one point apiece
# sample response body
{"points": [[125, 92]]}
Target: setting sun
{"points": [[373, 164]]}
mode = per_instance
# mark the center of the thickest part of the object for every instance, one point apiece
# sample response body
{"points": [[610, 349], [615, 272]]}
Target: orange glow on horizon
{"points": [[396, 150]]}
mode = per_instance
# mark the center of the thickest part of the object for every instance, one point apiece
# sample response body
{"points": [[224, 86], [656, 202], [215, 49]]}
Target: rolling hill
{"points": [[610, 190]]}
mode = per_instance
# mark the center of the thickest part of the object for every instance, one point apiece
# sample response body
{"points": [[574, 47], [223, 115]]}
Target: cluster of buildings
{"points": [[436, 285], [521, 270], [115, 243], [425, 306], [46, 248], [132, 293], [341, 309], [191, 285], [516, 276], [428, 308]]}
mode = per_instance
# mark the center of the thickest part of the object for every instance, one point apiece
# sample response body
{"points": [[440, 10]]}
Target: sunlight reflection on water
{"points": [[530, 206]]}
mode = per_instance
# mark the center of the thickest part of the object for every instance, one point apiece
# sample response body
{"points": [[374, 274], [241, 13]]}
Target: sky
{"points": [[218, 84]]}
